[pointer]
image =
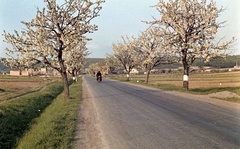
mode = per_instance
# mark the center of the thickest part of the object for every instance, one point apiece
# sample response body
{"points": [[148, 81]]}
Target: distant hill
{"points": [[229, 62], [90, 61]]}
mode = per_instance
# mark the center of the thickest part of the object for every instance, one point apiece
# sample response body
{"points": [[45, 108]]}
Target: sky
{"points": [[117, 18]]}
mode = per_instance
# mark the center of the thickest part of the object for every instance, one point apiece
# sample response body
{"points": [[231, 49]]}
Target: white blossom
{"points": [[190, 29], [55, 35]]}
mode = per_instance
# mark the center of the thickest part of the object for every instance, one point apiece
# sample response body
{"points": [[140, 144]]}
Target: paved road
{"points": [[133, 117]]}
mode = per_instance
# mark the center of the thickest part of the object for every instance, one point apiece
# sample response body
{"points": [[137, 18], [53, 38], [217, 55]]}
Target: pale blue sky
{"points": [[118, 17]]}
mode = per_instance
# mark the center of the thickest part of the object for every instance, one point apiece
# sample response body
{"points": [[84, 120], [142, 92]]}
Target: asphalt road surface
{"points": [[135, 117]]}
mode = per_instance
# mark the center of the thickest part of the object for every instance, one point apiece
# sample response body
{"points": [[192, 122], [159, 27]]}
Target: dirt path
{"points": [[25, 94], [88, 134]]}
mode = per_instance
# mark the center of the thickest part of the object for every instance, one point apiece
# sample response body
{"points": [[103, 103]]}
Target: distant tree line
{"points": [[229, 62]]}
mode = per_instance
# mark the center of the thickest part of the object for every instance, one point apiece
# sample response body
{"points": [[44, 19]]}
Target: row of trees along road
{"points": [[55, 38], [184, 32]]}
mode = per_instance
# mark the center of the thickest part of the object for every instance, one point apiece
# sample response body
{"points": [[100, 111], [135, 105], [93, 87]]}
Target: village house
{"points": [[19, 73], [136, 71], [32, 72]]}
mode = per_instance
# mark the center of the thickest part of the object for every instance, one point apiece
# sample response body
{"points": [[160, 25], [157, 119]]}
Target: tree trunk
{"points": [[128, 75], [74, 76], [147, 76], [185, 71], [185, 82], [65, 84], [64, 75]]}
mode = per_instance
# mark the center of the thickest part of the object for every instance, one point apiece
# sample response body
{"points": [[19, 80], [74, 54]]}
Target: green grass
{"points": [[232, 99], [16, 116], [206, 91], [55, 127], [169, 87]]}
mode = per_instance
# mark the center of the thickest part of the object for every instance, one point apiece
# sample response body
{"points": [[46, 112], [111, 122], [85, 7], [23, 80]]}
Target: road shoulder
{"points": [[87, 134]]}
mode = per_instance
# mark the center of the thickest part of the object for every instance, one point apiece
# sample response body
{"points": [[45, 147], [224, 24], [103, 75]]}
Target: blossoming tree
{"points": [[125, 54], [190, 29], [152, 49], [112, 63], [52, 34], [76, 59]]}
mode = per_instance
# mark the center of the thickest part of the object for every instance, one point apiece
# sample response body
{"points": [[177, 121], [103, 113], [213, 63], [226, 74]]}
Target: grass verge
{"points": [[16, 116], [172, 87], [202, 91], [206, 91], [55, 127]]}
